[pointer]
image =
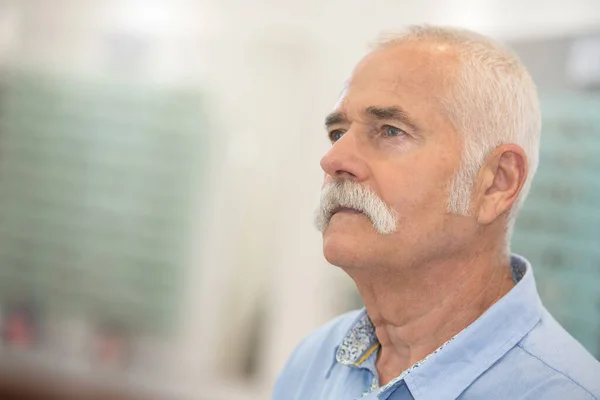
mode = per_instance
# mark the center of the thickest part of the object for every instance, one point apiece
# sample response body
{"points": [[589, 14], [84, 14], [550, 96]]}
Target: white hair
{"points": [[491, 101], [358, 197]]}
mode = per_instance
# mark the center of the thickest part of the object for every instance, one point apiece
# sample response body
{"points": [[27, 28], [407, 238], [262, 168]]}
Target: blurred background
{"points": [[159, 168]]}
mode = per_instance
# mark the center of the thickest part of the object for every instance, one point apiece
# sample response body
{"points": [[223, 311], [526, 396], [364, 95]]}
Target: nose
{"points": [[344, 160]]}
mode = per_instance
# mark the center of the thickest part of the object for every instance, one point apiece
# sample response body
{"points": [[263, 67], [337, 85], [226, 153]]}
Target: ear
{"points": [[500, 182]]}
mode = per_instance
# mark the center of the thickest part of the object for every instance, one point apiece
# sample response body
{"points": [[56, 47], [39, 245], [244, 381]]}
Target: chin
{"points": [[337, 252], [346, 248]]}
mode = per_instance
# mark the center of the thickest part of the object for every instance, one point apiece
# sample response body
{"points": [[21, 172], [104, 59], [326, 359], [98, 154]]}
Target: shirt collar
{"points": [[359, 342], [448, 372]]}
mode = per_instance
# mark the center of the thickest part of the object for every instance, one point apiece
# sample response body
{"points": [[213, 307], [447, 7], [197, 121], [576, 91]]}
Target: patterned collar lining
{"points": [[358, 343], [361, 341]]}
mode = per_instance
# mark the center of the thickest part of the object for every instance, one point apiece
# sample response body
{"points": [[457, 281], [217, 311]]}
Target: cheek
{"points": [[418, 187]]}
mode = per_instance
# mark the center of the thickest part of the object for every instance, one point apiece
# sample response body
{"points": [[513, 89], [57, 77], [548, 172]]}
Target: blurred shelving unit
{"points": [[558, 229]]}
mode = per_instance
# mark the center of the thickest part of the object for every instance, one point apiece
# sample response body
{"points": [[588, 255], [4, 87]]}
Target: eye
{"points": [[391, 131], [336, 135]]}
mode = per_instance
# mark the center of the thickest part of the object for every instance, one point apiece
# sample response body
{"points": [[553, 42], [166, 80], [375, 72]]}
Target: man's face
{"points": [[389, 134]]}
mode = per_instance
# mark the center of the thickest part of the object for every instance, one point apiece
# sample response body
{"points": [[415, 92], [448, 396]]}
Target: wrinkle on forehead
{"points": [[414, 76]]}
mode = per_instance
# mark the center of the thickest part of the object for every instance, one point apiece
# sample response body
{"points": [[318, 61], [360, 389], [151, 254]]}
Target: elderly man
{"points": [[434, 146]]}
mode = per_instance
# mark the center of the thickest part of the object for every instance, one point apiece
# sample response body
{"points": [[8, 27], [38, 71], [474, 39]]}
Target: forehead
{"points": [[413, 76]]}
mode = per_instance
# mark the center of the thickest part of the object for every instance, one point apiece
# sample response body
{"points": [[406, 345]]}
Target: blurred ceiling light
{"points": [[148, 17]]}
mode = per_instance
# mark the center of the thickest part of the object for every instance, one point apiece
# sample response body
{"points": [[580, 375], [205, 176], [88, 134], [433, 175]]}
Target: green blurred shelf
{"points": [[95, 195], [558, 229]]}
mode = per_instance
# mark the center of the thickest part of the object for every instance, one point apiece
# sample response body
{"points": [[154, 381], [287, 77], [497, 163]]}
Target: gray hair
{"points": [[350, 194], [492, 101]]}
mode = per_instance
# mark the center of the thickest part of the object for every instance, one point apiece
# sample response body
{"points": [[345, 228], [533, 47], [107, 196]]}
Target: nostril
{"points": [[341, 174]]}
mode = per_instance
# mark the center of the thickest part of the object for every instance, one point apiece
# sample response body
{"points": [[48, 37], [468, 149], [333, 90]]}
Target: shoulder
{"points": [[566, 363], [547, 363], [315, 354]]}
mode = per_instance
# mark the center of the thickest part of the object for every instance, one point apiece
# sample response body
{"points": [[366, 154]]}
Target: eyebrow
{"points": [[379, 113], [387, 113], [335, 118]]}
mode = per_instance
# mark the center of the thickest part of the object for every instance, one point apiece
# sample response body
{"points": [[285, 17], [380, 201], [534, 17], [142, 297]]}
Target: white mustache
{"points": [[349, 194]]}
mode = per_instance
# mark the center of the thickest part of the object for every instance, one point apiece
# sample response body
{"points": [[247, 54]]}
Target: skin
{"points": [[438, 272]]}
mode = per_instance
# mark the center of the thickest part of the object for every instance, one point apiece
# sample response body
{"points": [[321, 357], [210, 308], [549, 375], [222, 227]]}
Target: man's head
{"points": [[437, 129]]}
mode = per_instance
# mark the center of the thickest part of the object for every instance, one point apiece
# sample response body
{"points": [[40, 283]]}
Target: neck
{"points": [[415, 309]]}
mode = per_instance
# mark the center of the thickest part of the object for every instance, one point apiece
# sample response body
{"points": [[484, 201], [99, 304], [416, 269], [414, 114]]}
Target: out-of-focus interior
{"points": [[159, 168]]}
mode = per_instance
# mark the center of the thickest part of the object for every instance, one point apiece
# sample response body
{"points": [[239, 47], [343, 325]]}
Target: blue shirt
{"points": [[515, 350]]}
